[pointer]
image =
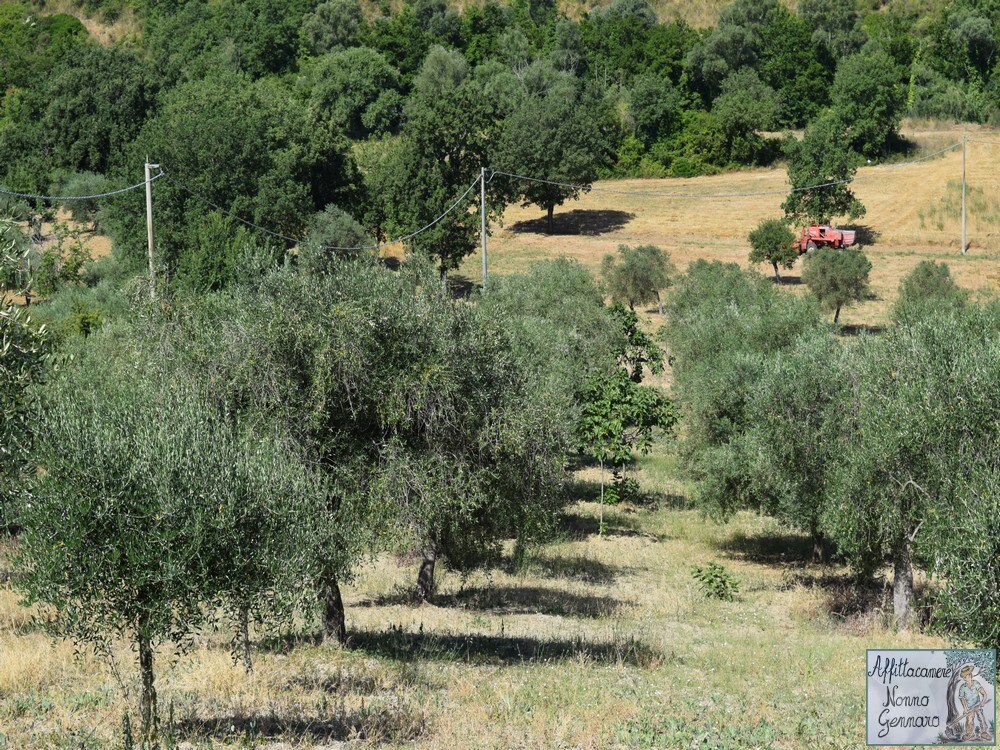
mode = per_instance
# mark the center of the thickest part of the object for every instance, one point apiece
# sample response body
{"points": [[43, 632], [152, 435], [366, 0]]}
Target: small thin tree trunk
{"points": [[425, 577], [551, 211], [147, 702], [244, 635], [777, 275], [334, 621], [836, 315], [659, 303], [902, 585], [600, 527]]}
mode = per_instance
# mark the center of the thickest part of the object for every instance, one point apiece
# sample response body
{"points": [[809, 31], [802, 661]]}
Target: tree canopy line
{"points": [[237, 449], [387, 116]]}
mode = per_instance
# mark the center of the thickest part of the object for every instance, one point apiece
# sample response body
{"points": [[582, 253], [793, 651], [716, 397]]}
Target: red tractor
{"points": [[819, 235]]}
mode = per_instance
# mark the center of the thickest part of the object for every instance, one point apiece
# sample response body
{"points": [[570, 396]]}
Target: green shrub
{"points": [[715, 582]]}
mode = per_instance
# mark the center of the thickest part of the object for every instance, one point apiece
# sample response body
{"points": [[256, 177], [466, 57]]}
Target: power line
{"points": [[63, 198], [285, 237], [695, 196]]}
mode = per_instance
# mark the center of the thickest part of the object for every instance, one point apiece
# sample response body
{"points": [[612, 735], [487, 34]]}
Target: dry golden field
{"points": [[913, 214]]}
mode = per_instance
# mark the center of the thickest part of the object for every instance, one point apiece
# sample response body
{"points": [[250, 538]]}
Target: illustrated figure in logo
{"points": [[967, 699]]}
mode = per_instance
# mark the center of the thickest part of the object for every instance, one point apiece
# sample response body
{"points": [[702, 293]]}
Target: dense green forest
{"points": [[279, 109]]}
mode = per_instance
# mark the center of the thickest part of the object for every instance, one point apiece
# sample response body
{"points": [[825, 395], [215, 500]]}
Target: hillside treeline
{"points": [[285, 111]]}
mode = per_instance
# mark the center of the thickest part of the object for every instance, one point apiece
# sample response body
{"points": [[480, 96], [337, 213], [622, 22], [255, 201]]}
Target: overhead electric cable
{"points": [[285, 237], [63, 198], [696, 196]]}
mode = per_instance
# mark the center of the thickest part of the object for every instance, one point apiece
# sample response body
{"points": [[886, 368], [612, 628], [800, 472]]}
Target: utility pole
{"points": [[482, 217], [149, 227], [965, 245]]}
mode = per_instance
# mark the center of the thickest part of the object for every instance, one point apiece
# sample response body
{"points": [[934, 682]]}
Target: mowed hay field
{"points": [[595, 643], [913, 215]]}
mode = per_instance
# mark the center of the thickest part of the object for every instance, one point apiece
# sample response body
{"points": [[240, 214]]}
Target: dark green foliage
{"points": [[31, 45], [564, 135], [765, 36], [836, 25], [358, 90], [637, 276], [195, 39], [333, 26], [745, 105], [95, 105], [655, 108], [837, 277], [822, 157], [868, 98], [715, 581], [250, 148], [771, 242]]}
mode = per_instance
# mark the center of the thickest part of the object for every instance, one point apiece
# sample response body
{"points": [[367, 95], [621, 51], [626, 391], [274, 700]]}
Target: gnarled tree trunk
{"points": [[902, 585], [820, 549], [777, 275], [551, 212], [147, 701], [244, 636], [425, 578], [334, 621]]}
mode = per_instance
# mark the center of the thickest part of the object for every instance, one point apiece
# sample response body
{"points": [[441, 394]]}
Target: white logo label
{"points": [[929, 697]]}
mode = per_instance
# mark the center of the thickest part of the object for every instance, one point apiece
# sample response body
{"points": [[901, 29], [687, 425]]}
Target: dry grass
{"points": [[594, 643], [912, 214], [126, 28]]}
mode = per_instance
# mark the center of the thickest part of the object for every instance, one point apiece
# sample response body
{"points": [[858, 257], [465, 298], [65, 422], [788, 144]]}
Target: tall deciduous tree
{"points": [[869, 99], [563, 136], [820, 168], [837, 277]]}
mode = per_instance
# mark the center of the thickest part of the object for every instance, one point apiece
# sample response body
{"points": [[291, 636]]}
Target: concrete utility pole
{"points": [[965, 245], [482, 217], [149, 227]]}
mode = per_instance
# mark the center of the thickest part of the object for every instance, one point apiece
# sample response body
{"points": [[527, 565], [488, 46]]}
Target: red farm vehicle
{"points": [[820, 235]]}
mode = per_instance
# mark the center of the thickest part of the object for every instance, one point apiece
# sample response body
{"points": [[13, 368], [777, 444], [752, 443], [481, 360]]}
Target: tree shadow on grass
{"points": [[375, 724], [575, 568], [474, 648], [856, 329], [864, 235], [576, 222], [577, 527], [787, 280], [769, 549], [511, 600]]}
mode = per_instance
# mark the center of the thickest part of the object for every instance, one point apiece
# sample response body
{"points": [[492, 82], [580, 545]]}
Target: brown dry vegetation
{"points": [[123, 29], [913, 215], [596, 643]]}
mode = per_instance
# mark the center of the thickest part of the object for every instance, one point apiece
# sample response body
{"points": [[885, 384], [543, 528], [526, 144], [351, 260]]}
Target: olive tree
{"points": [[150, 509], [919, 462], [772, 242], [928, 285], [23, 347], [637, 276], [795, 429], [837, 277]]}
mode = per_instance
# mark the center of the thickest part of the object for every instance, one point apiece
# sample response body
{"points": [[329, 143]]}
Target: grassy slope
{"points": [[912, 213], [599, 643]]}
